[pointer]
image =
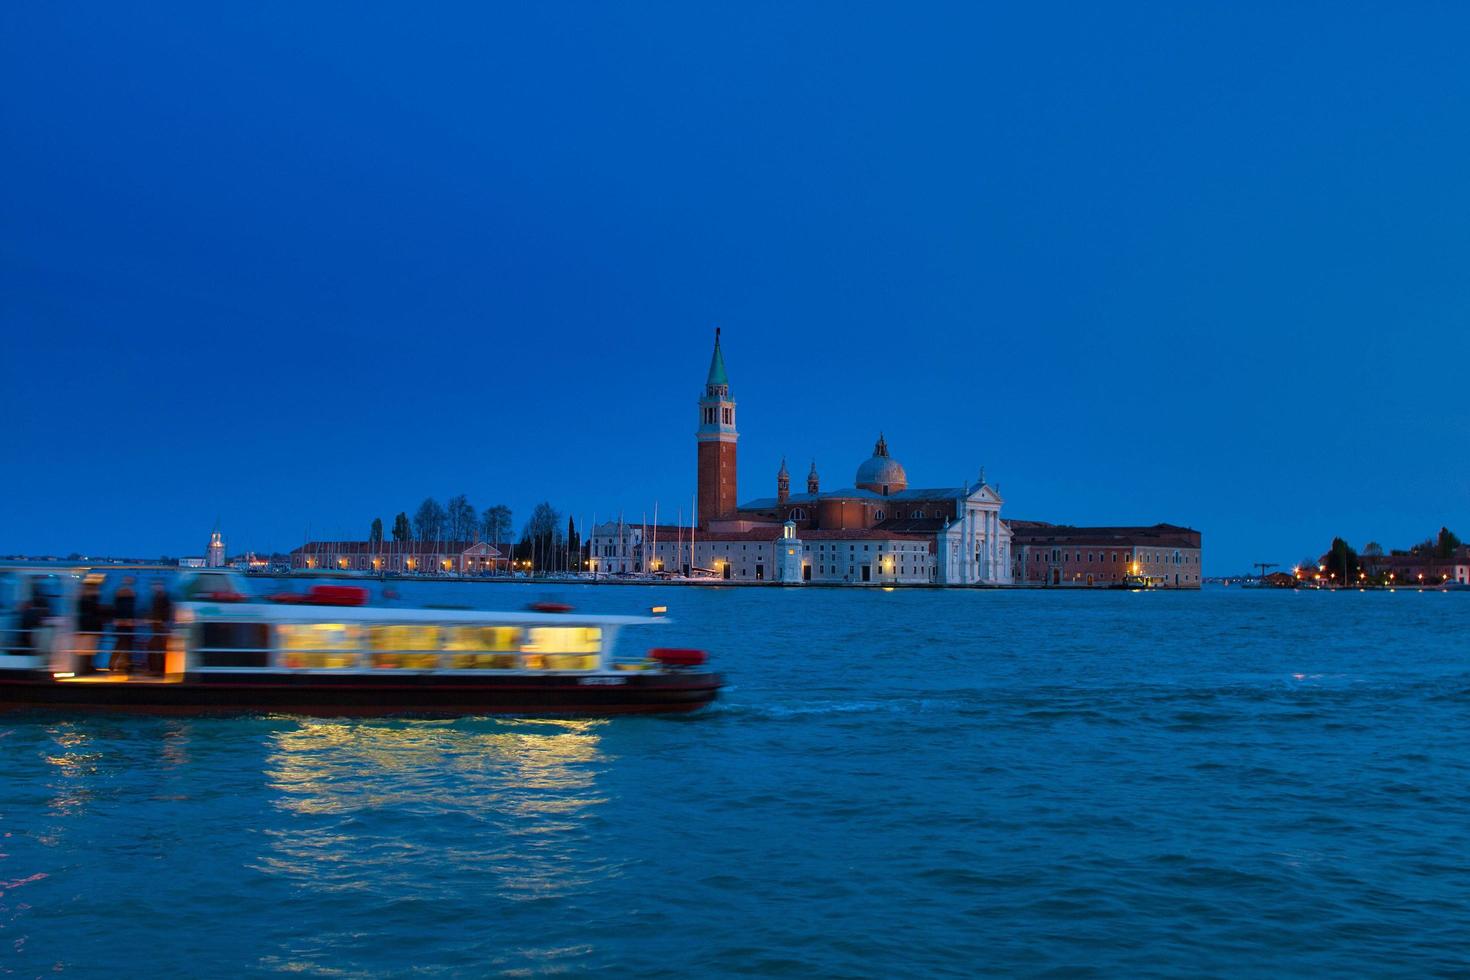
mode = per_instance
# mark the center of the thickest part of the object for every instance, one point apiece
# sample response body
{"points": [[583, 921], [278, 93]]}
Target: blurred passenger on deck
{"points": [[160, 617], [124, 611], [91, 621], [33, 615]]}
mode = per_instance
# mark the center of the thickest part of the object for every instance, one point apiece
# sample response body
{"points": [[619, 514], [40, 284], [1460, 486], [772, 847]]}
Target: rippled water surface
{"points": [[894, 783]]}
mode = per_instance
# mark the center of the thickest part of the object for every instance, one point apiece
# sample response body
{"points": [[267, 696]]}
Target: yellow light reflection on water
{"points": [[87, 758], [367, 804]]}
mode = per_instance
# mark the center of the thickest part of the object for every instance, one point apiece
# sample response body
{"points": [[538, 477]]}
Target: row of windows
{"points": [[727, 416], [800, 514], [1176, 559], [399, 638], [1040, 575], [327, 660], [852, 570]]}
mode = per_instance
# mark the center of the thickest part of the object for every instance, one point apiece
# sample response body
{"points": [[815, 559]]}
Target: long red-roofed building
{"points": [[1162, 556]]}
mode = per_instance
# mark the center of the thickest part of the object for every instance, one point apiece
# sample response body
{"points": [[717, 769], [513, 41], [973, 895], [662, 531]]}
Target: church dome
{"points": [[882, 473]]}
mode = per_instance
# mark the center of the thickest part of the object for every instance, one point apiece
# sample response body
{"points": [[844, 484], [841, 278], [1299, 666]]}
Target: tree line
{"points": [[456, 520], [544, 541], [1342, 559]]}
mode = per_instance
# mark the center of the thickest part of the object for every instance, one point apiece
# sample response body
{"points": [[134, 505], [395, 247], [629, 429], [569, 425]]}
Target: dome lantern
{"points": [[882, 473]]}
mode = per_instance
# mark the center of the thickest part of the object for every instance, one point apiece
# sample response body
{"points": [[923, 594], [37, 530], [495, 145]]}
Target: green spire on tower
{"points": [[717, 364]]}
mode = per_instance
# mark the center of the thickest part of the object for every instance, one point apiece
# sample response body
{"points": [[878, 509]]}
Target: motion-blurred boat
{"points": [[325, 652]]}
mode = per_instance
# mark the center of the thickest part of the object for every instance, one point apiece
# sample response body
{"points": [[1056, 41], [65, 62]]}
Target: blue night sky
{"points": [[301, 265]]}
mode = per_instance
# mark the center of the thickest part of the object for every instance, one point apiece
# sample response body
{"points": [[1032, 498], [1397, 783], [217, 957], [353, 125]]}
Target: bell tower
{"points": [[716, 437]]}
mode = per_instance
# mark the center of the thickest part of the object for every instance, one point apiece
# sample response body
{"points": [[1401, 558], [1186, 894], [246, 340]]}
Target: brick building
{"points": [[1426, 568], [1163, 555], [403, 557]]}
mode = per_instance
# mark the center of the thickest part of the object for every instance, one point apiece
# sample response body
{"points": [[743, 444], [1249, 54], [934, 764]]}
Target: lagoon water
{"points": [[894, 783]]}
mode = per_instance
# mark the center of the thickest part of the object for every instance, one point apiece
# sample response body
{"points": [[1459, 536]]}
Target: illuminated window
{"points": [[318, 636], [398, 637], [563, 639], [406, 661], [482, 639], [319, 646], [484, 661]]}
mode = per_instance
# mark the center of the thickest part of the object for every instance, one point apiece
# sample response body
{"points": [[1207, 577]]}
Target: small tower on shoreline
{"points": [[214, 557], [790, 556]]}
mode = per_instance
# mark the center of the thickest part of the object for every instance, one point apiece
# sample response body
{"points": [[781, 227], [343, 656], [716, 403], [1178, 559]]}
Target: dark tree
{"points": [[375, 535], [429, 520], [541, 537], [460, 518], [495, 525], [1342, 562], [1446, 543], [402, 531]]}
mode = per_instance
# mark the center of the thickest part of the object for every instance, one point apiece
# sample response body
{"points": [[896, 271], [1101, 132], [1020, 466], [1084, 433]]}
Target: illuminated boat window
{"points": [[318, 636], [483, 661], [319, 646], [562, 648], [406, 661], [401, 637], [482, 639], [562, 661], [318, 660]]}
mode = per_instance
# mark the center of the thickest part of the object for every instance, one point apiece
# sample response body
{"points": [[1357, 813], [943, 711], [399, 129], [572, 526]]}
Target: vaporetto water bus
{"points": [[323, 652]]}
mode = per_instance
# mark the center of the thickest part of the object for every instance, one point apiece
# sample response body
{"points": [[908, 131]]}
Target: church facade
{"points": [[877, 531]]}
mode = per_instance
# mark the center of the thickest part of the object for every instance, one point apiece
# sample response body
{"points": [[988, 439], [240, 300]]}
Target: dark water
{"points": [[895, 783]]}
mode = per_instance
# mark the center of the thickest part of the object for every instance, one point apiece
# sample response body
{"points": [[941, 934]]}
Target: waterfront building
{"points": [[402, 557], [765, 553], [1418, 567], [1163, 555], [879, 530], [620, 548]]}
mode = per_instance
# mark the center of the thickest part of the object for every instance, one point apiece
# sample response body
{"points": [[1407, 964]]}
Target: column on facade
{"points": [[989, 543], [978, 517], [978, 569], [1000, 556], [991, 551], [982, 535], [995, 563], [967, 542], [967, 539], [976, 533]]}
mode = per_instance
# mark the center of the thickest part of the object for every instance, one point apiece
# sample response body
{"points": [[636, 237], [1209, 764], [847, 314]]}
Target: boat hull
{"points": [[368, 694]]}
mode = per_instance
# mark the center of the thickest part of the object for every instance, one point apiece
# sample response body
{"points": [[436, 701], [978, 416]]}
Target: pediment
{"points": [[985, 494]]}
